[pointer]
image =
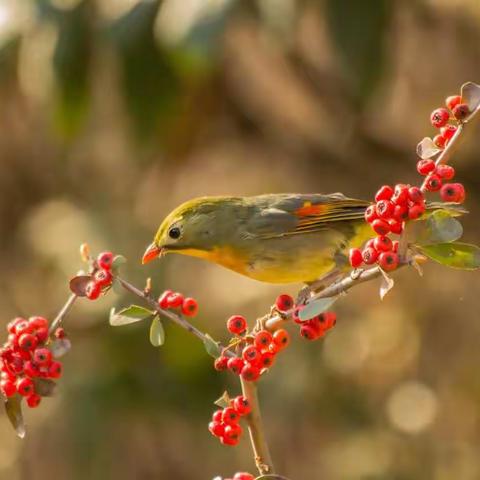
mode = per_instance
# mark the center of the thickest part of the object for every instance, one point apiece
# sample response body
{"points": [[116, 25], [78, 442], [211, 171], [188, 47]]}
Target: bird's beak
{"points": [[151, 253]]}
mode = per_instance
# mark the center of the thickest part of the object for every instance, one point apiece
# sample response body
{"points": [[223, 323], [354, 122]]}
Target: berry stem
{"points": [[261, 452], [62, 313]]}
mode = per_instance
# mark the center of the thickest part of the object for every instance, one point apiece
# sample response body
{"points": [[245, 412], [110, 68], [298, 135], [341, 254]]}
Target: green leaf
{"points": [[131, 314], [471, 95], [454, 255], [117, 287], [224, 401], [440, 227], [211, 346], [13, 408], [316, 308], [359, 33], [427, 148], [157, 333], [118, 260]]}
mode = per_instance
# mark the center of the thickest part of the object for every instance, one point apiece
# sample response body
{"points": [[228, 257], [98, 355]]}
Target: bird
{"points": [[275, 238]]}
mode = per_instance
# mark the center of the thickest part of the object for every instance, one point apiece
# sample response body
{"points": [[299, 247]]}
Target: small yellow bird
{"points": [[277, 238]]}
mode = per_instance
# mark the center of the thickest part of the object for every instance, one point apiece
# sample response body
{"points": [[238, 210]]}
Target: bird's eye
{"points": [[174, 232]]}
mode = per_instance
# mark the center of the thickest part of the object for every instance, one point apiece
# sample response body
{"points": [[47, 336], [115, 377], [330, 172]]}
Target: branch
{"points": [[62, 313]]}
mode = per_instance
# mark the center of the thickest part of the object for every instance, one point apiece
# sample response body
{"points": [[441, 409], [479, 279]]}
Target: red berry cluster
{"points": [[440, 117], [170, 299], [241, 476], [225, 423], [315, 327], [101, 277], [258, 352], [435, 176], [25, 356]]}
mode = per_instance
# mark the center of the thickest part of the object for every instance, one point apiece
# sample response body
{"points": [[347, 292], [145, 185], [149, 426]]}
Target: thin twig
{"points": [[261, 452], [62, 313]]}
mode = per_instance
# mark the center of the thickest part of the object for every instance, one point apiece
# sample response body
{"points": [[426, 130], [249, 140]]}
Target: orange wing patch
{"points": [[311, 210]]}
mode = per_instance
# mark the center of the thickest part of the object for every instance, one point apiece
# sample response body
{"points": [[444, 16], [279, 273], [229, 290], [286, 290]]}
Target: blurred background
{"points": [[112, 112]]}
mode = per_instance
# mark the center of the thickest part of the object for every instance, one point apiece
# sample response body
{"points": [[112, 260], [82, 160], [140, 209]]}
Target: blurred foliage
{"points": [[115, 111]]}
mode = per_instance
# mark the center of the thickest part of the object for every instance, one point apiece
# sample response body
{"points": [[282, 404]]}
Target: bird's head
{"points": [[193, 229]]}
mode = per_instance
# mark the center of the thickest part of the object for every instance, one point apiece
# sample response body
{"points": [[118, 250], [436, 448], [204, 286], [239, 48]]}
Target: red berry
{"points": [[8, 387], [42, 356], [31, 369], [92, 290], [42, 334], [241, 405], [237, 324], [371, 214], [415, 194], [243, 476], [27, 341], [448, 131], [396, 243], [355, 257], [445, 172], [102, 278], [230, 416], [55, 370], [263, 339], [60, 333], [433, 183], [250, 372], [439, 140], [231, 441], [308, 332], [400, 195], [439, 117], [34, 400], [369, 255], [284, 302], [424, 167], [453, 101], [24, 386], [388, 261], [235, 364], [329, 319], [416, 211], [163, 299], [232, 432], [385, 208], [105, 260], [395, 226], [175, 300], [400, 212], [23, 327], [217, 416], [216, 428], [11, 327], [381, 227], [453, 192], [38, 322], [281, 338], [267, 359], [385, 193], [189, 307], [382, 243], [221, 363], [251, 354], [461, 111]]}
